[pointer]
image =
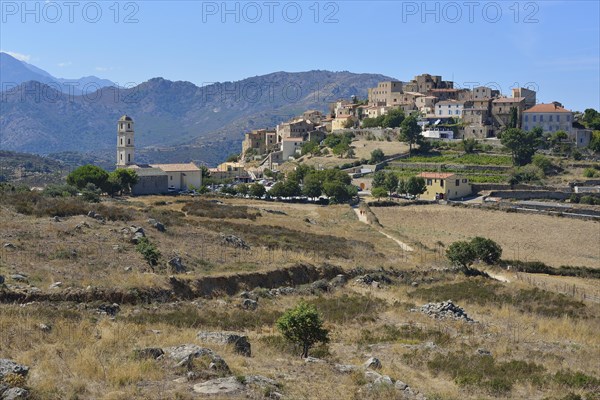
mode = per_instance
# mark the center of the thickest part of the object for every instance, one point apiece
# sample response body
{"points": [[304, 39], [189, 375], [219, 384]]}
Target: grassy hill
{"points": [[528, 341]]}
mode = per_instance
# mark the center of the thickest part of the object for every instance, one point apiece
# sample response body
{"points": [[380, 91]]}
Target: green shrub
{"points": [[302, 325], [148, 250]]}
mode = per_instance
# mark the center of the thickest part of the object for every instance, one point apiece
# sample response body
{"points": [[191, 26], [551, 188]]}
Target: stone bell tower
{"points": [[124, 142]]}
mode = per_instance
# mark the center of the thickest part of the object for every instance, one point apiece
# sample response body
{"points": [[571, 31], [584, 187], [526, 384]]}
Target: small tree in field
{"points": [[303, 326], [486, 250], [461, 254], [379, 192]]}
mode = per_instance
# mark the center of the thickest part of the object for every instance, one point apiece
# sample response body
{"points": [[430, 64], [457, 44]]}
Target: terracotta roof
{"points": [[547, 108], [176, 167], [436, 175]]}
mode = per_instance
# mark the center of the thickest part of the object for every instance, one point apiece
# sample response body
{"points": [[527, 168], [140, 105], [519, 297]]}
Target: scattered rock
{"points": [[338, 281], [109, 309], [414, 284], [9, 246], [156, 224], [282, 291], [176, 264], [249, 295], [399, 385], [136, 233], [344, 368], [185, 354], [310, 221], [313, 360], [10, 367], [91, 214], [373, 363], [249, 304], [444, 310], [148, 353], [45, 328], [56, 218], [55, 285], [15, 394], [220, 386], [127, 269], [19, 277], [384, 380], [320, 285], [484, 352], [372, 376], [234, 241], [368, 279], [239, 342]]}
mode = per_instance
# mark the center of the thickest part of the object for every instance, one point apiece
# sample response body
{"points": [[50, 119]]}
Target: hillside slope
{"points": [[193, 123]]}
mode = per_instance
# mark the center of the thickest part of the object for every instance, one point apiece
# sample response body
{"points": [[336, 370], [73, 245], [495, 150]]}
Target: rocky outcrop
{"points": [[186, 353], [444, 310], [8, 368], [239, 342], [234, 241]]}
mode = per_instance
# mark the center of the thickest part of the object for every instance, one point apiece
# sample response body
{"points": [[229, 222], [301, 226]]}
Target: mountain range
{"points": [[15, 72], [174, 121]]}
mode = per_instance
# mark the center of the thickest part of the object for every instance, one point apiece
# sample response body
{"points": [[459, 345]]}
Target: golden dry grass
{"points": [[553, 240], [90, 356]]}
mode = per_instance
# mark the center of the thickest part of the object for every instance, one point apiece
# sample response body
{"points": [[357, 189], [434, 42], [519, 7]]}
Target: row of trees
{"points": [[384, 184], [334, 183], [119, 181]]}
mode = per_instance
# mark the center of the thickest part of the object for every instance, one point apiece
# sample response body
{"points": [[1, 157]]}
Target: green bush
{"points": [[148, 250], [302, 325]]}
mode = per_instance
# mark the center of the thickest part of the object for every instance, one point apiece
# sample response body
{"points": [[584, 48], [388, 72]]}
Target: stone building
{"points": [[550, 117], [154, 178]]}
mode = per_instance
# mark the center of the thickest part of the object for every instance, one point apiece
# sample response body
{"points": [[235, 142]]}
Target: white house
{"points": [[449, 108], [290, 147]]}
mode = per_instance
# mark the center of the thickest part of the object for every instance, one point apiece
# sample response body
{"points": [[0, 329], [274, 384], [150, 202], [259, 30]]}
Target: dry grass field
{"points": [[528, 342], [552, 240]]}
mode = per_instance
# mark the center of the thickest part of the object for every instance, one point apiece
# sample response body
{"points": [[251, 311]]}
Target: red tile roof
{"points": [[436, 175], [547, 108]]}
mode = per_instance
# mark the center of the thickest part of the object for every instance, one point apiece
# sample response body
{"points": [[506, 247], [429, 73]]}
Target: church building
{"points": [[153, 178]]}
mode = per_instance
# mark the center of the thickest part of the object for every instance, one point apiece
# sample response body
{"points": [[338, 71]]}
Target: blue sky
{"points": [[551, 45]]}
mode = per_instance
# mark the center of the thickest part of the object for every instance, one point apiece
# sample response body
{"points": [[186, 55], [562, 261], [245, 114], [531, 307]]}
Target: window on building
{"points": [[457, 183], [464, 181], [568, 118], [441, 182], [558, 118], [171, 177], [526, 118], [428, 182], [121, 141], [128, 141], [541, 118], [535, 118], [551, 118], [128, 126], [121, 156]]}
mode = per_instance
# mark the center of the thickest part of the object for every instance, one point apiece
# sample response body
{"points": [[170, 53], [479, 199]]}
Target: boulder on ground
{"points": [[15, 393], [239, 342], [249, 304], [220, 386], [176, 264], [156, 224], [373, 363], [186, 353], [234, 241], [148, 353], [109, 309], [10, 367]]}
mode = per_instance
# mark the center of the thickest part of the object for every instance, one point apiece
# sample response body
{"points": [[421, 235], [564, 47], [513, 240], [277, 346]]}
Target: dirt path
{"points": [[363, 218]]}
